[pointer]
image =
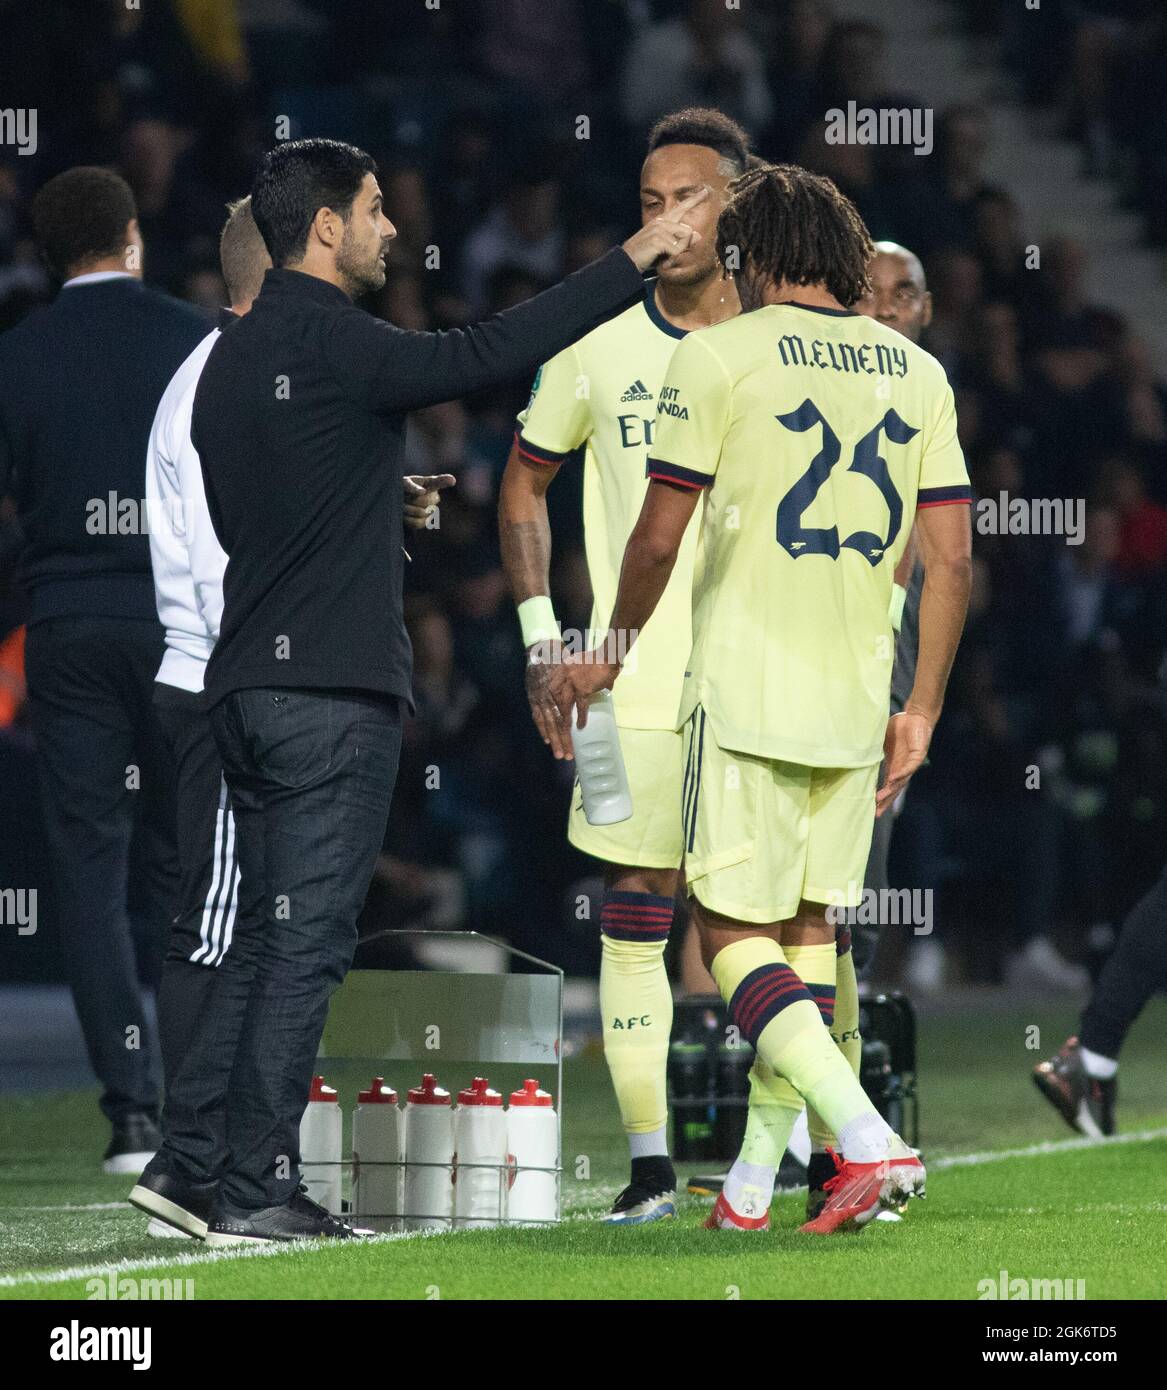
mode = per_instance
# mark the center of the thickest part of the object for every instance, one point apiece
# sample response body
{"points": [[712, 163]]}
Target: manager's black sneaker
{"points": [[299, 1218], [134, 1143], [650, 1196], [1083, 1101], [187, 1206]]}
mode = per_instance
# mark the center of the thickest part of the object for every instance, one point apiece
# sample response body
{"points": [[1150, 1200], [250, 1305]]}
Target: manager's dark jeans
{"points": [[311, 776]]}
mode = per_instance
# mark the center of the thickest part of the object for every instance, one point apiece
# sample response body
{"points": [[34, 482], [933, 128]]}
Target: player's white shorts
{"points": [[760, 835], [651, 837]]}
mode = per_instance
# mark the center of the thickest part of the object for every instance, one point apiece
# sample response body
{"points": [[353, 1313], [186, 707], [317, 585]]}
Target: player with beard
{"points": [[603, 393]]}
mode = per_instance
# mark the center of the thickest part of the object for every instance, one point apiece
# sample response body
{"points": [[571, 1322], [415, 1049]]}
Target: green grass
{"points": [[1093, 1213]]}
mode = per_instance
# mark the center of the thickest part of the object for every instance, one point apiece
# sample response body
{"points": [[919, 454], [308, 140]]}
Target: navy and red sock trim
{"points": [[762, 996], [824, 997], [636, 916]]}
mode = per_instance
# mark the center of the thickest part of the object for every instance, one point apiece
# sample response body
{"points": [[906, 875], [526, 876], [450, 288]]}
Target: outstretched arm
{"points": [[399, 370]]}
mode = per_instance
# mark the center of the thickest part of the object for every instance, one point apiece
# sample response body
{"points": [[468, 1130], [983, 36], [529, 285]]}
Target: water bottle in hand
{"points": [[599, 764]]}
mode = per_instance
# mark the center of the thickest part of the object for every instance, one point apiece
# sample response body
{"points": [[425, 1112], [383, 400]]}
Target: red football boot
{"points": [[724, 1218], [860, 1191]]}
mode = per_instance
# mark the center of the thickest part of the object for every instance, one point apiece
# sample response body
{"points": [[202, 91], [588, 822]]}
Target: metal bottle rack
{"points": [[401, 1023]]}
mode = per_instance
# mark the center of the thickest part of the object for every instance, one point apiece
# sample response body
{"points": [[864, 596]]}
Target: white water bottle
{"points": [[377, 1153], [429, 1141], [480, 1148], [599, 764], [533, 1144], [320, 1139]]}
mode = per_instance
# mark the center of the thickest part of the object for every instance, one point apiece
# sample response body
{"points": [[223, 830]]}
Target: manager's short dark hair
{"points": [[294, 181], [702, 125], [81, 216]]}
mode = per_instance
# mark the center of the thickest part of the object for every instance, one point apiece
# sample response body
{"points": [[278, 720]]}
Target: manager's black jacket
{"points": [[299, 422]]}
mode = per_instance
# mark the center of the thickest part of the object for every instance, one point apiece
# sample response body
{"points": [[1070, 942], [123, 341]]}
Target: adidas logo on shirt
{"points": [[636, 392]]}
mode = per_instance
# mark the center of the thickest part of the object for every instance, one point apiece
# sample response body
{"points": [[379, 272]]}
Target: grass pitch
{"points": [[1059, 1209]]}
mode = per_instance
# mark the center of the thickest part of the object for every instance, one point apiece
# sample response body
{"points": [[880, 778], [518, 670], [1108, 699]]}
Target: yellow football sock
{"points": [[774, 1103], [777, 1014], [774, 1110], [845, 1032], [637, 1006]]}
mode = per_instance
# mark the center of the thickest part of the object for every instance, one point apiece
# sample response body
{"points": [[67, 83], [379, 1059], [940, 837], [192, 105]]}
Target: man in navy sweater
{"points": [[79, 383]]}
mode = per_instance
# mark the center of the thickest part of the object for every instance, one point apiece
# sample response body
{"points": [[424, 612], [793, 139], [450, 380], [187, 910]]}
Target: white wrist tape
{"points": [[537, 620]]}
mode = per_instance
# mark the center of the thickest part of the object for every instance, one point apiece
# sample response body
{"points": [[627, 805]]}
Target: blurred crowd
{"points": [[509, 135], [1099, 67]]}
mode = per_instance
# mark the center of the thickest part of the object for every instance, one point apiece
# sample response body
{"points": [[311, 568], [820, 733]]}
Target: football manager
{"points": [[299, 423]]}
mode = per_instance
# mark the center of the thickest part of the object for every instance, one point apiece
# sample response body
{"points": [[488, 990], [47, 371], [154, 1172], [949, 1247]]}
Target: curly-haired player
{"points": [[814, 436]]}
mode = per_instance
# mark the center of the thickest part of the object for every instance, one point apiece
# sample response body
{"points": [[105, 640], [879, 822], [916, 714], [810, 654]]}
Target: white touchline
{"points": [[61, 1276], [1057, 1146], [208, 1257], [83, 1206]]}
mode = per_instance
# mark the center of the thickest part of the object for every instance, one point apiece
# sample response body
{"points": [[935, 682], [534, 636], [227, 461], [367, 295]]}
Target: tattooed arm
{"points": [[525, 539]]}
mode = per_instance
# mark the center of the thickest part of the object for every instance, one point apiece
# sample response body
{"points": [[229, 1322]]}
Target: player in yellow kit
{"points": [[602, 393], [899, 299], [814, 436]]}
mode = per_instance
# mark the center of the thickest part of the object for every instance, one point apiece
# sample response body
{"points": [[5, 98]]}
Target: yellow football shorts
{"points": [[651, 837], [761, 835]]}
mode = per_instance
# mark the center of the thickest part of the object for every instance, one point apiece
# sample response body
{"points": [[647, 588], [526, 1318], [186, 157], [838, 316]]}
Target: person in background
{"points": [[188, 565], [79, 383], [1081, 1079], [522, 232], [701, 58]]}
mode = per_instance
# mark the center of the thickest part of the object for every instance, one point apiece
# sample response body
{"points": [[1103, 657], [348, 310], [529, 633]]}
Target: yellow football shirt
{"points": [[602, 392], [816, 434]]}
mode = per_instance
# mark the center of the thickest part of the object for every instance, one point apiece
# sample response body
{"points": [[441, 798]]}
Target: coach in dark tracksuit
{"points": [[79, 383], [299, 422]]}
